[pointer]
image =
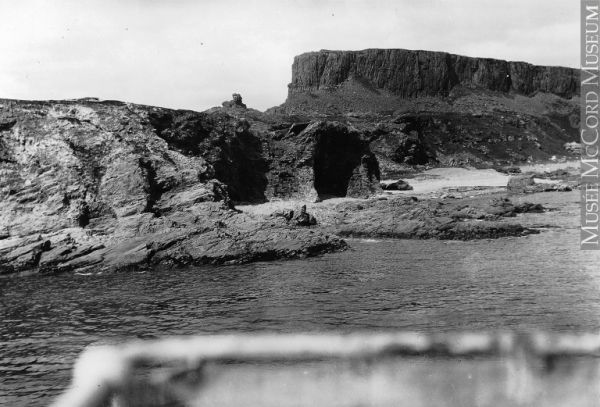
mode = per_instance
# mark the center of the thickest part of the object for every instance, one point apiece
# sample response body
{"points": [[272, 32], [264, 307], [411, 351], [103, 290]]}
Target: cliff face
{"points": [[109, 185], [320, 160], [409, 74], [421, 107]]}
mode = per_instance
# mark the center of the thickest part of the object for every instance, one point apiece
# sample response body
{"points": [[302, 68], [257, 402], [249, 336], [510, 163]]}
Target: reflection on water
{"points": [[537, 282]]}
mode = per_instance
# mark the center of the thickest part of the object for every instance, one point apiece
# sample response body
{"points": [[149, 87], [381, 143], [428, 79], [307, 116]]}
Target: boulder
{"points": [[510, 170], [521, 184], [573, 147], [399, 185], [303, 218], [399, 141], [235, 102], [297, 218], [526, 184], [528, 207]]}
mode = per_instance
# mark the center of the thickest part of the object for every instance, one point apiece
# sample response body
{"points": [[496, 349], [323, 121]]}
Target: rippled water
{"points": [[536, 282]]}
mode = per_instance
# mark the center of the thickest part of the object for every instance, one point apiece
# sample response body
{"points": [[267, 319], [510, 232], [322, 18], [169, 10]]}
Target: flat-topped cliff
{"points": [[446, 109], [407, 73]]}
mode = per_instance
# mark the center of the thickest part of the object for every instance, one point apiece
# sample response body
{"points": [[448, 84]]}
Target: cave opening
{"points": [[337, 154]]}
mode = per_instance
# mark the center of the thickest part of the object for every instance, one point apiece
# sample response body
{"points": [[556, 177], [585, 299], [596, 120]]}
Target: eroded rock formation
{"points": [[320, 160], [109, 186]]}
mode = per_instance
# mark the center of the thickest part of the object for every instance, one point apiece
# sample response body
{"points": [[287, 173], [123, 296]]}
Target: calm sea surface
{"points": [[536, 282]]}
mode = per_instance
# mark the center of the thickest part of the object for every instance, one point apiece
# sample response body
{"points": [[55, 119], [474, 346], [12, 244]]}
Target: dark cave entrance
{"points": [[337, 154]]}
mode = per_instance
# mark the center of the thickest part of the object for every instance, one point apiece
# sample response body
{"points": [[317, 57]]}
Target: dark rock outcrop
{"points": [[400, 141], [399, 185], [321, 160], [233, 151], [493, 140], [509, 170]]}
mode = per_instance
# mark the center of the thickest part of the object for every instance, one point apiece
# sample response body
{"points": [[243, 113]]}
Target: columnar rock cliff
{"points": [[424, 73]]}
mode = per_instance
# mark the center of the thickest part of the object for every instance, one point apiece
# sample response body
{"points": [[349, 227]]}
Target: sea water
{"points": [[538, 282]]}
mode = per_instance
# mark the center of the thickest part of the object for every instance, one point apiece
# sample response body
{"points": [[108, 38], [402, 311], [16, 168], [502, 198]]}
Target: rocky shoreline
{"points": [[211, 233], [99, 186], [102, 186], [435, 211]]}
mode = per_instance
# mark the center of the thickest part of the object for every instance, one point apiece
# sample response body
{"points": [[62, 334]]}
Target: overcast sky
{"points": [[193, 54]]}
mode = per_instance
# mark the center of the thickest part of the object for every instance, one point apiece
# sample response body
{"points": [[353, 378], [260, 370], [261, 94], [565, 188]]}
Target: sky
{"points": [[193, 54]]}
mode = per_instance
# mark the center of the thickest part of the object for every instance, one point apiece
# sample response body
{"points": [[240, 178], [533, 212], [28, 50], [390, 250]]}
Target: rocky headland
{"points": [[422, 107], [90, 186]]}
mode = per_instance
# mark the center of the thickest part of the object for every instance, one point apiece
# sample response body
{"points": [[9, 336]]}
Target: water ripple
{"points": [[538, 282]]}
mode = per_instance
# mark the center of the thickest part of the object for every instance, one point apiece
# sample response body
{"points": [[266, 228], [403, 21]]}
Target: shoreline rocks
{"points": [[526, 184], [297, 218], [481, 217], [399, 185]]}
